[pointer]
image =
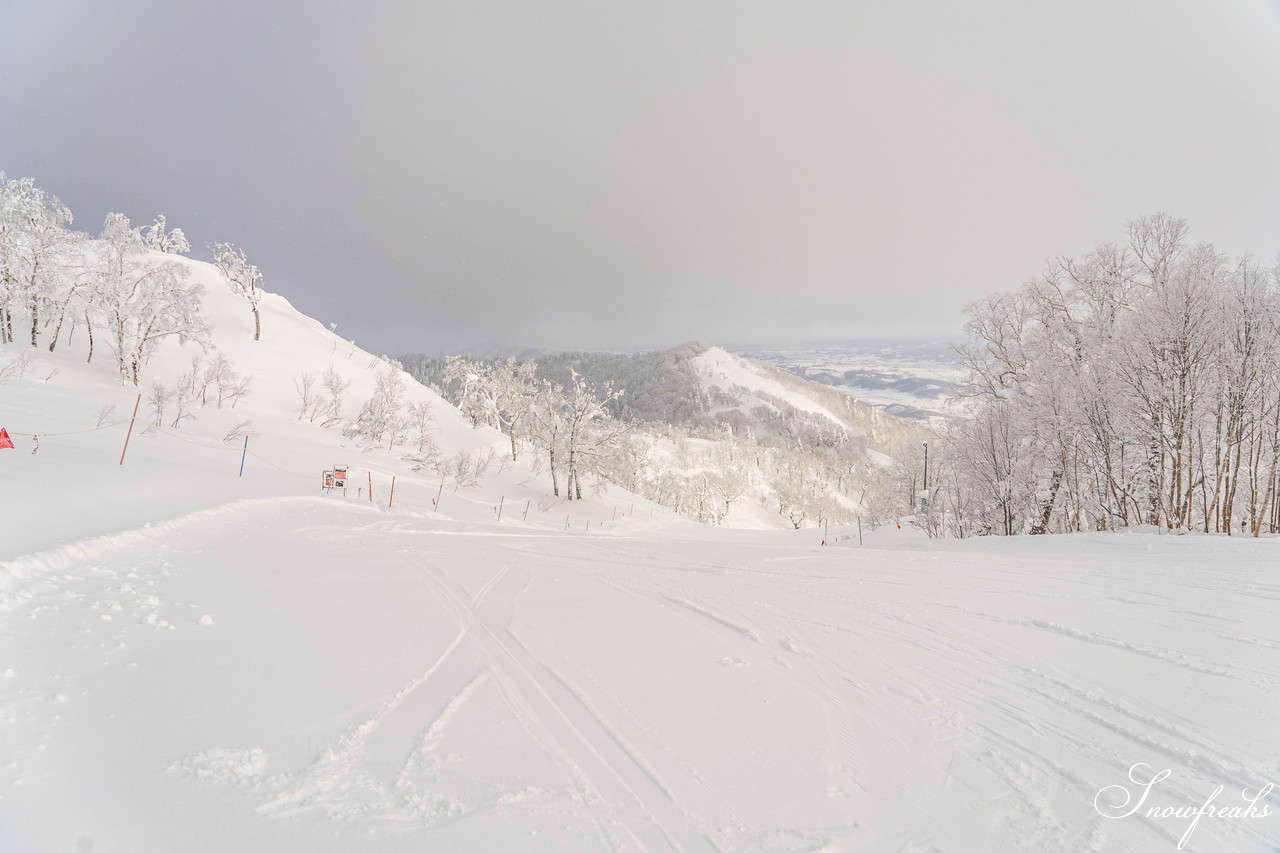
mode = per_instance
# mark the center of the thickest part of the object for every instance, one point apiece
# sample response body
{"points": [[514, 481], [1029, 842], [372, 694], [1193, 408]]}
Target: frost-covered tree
{"points": [[242, 277], [228, 385], [10, 258], [335, 394], [308, 395], [420, 420], [514, 394], [160, 237], [626, 461], [142, 300], [728, 479], [795, 488], [34, 242], [548, 429], [475, 391], [588, 428], [1133, 385], [500, 394], [381, 416], [71, 298]]}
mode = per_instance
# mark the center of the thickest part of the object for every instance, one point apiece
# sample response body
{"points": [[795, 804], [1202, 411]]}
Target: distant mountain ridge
{"points": [[705, 428], [699, 386], [914, 380]]}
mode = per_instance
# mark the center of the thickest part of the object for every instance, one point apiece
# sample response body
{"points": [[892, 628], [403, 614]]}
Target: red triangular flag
{"points": [[5, 441]]}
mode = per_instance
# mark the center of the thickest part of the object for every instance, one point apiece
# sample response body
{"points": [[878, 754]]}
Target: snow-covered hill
{"points": [[70, 421], [745, 385], [195, 659]]}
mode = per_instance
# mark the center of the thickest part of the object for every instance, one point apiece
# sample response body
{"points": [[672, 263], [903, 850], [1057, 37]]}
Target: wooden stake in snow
{"points": [[370, 473], [130, 432], [393, 491]]}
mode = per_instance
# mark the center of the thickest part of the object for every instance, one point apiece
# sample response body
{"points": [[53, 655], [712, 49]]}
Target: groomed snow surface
{"points": [[191, 660], [313, 674]]}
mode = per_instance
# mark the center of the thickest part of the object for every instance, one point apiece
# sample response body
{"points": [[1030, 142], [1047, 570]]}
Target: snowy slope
{"points": [[721, 369], [745, 384], [317, 675], [77, 467], [195, 660]]}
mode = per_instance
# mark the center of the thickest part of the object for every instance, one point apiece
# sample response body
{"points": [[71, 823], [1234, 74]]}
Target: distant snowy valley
{"points": [[915, 379]]}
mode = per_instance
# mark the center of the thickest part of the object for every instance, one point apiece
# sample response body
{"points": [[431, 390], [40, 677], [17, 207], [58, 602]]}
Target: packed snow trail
{"points": [[319, 675], [606, 767]]}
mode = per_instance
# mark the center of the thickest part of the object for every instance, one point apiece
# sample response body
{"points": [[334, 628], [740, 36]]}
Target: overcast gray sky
{"points": [[433, 176]]}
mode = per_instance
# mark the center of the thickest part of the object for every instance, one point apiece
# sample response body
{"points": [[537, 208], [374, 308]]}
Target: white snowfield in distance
{"points": [[191, 659], [912, 379]]}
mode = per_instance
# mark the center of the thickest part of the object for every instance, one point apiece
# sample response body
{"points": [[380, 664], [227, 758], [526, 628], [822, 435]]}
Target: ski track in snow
{"points": [[583, 742], [1006, 758], [957, 705]]}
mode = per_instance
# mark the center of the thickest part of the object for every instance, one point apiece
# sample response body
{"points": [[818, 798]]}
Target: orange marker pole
{"points": [[130, 432], [393, 491]]}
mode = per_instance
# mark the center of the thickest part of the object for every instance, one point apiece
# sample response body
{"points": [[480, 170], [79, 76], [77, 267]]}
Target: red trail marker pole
{"points": [[130, 432], [370, 473]]}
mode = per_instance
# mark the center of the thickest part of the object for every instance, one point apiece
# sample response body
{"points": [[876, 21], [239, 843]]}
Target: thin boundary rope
{"points": [[263, 459], [281, 470], [76, 432]]}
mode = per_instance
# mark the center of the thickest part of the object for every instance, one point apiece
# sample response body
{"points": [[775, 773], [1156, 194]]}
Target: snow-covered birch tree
{"points": [[242, 277]]}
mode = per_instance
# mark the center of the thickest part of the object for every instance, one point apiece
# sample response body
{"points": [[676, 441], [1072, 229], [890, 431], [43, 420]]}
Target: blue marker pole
{"points": [[243, 453], [501, 501], [438, 494]]}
